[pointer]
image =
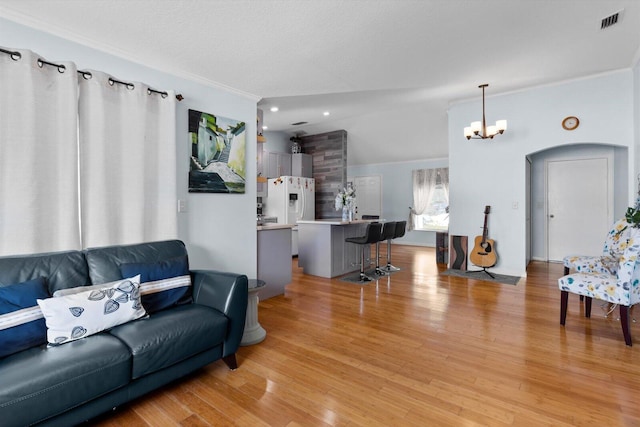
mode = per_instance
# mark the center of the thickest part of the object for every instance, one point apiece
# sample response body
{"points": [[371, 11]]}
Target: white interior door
{"points": [[368, 195], [579, 206]]}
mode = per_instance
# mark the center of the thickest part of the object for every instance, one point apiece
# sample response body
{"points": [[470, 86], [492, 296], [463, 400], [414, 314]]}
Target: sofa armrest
{"points": [[227, 293]]}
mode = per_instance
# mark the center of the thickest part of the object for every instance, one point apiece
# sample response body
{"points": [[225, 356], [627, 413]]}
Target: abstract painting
{"points": [[218, 154]]}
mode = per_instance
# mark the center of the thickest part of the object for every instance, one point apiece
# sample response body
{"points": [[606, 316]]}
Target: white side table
{"points": [[253, 331]]}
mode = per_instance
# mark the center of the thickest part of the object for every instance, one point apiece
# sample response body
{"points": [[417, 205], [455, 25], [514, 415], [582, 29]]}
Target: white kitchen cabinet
{"points": [[302, 165], [277, 164]]}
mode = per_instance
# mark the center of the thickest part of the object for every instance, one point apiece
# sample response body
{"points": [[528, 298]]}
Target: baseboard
{"points": [[424, 245]]}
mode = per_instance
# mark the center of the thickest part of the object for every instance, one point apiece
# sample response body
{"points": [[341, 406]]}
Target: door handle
{"points": [[551, 216]]}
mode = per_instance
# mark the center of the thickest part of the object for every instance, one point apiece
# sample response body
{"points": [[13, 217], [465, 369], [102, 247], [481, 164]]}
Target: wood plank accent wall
{"points": [[329, 151]]}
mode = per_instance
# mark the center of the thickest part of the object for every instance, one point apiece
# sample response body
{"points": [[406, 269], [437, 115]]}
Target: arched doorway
{"points": [[538, 213]]}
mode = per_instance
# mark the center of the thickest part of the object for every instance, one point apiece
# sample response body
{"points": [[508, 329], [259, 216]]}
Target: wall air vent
{"points": [[299, 123], [611, 20]]}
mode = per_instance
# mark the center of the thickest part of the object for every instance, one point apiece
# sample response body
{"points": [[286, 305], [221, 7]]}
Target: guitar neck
{"points": [[485, 231]]}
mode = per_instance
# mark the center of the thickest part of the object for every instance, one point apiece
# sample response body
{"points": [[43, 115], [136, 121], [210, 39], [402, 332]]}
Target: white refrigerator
{"points": [[290, 199]]}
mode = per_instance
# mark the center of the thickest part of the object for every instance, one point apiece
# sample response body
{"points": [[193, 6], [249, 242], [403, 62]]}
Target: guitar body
{"points": [[483, 253]]}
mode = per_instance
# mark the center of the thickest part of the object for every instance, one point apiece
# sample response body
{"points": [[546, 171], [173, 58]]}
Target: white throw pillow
{"points": [[79, 315], [78, 289]]}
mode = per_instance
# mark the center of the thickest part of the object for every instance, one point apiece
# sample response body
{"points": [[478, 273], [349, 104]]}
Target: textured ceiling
{"points": [[352, 57]]}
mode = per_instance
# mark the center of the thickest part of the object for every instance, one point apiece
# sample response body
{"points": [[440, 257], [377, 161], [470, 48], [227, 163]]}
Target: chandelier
{"points": [[480, 130]]}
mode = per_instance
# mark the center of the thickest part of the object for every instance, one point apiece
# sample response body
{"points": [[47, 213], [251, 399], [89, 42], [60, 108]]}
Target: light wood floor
{"points": [[414, 349]]}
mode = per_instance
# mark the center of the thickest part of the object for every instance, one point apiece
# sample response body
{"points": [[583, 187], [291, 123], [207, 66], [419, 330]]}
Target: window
{"points": [[431, 200], [436, 216]]}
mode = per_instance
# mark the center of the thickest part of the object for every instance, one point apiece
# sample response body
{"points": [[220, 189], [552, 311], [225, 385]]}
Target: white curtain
{"points": [[38, 155], [127, 162], [424, 182], [444, 179]]}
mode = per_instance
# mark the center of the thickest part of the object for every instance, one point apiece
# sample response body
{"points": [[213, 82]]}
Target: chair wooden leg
{"points": [[231, 361], [625, 321], [587, 307], [564, 298]]}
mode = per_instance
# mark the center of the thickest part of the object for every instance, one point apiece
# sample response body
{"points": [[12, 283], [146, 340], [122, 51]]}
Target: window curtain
{"points": [[127, 162], [424, 182], [444, 179], [38, 155]]}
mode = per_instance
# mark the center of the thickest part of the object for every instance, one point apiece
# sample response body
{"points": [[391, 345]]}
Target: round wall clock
{"points": [[570, 123]]}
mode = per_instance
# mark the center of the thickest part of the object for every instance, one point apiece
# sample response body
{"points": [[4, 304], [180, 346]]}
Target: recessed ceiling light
{"points": [[326, 113], [265, 127], [274, 109]]}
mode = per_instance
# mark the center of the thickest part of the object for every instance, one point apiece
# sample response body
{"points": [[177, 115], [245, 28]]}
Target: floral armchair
{"points": [[607, 263], [621, 287]]}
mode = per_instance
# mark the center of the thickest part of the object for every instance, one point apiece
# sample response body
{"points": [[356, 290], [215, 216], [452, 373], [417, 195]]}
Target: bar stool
{"points": [[371, 235], [388, 231], [399, 232]]}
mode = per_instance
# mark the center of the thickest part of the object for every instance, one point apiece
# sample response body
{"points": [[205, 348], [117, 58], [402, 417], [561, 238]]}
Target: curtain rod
{"points": [[15, 55]]}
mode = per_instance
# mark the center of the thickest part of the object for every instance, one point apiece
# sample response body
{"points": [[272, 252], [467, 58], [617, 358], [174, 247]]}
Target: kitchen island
{"points": [[274, 258], [322, 250]]}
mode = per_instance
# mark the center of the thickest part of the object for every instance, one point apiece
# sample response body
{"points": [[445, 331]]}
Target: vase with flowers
{"points": [[346, 200]]}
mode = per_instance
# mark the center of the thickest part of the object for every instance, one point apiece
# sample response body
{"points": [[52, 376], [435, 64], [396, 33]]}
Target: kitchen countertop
{"points": [[338, 221], [274, 226]]}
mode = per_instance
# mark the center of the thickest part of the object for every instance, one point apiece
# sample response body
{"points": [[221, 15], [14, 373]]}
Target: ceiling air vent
{"points": [[611, 20], [299, 123]]}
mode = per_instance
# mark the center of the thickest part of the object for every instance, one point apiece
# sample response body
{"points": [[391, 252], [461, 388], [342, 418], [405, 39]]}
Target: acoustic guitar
{"points": [[483, 253]]}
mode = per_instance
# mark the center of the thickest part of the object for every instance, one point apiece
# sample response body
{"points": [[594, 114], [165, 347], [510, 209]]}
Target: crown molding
{"points": [[38, 25]]}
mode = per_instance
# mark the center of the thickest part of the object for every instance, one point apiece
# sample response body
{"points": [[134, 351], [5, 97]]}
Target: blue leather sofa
{"points": [[68, 384]]}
